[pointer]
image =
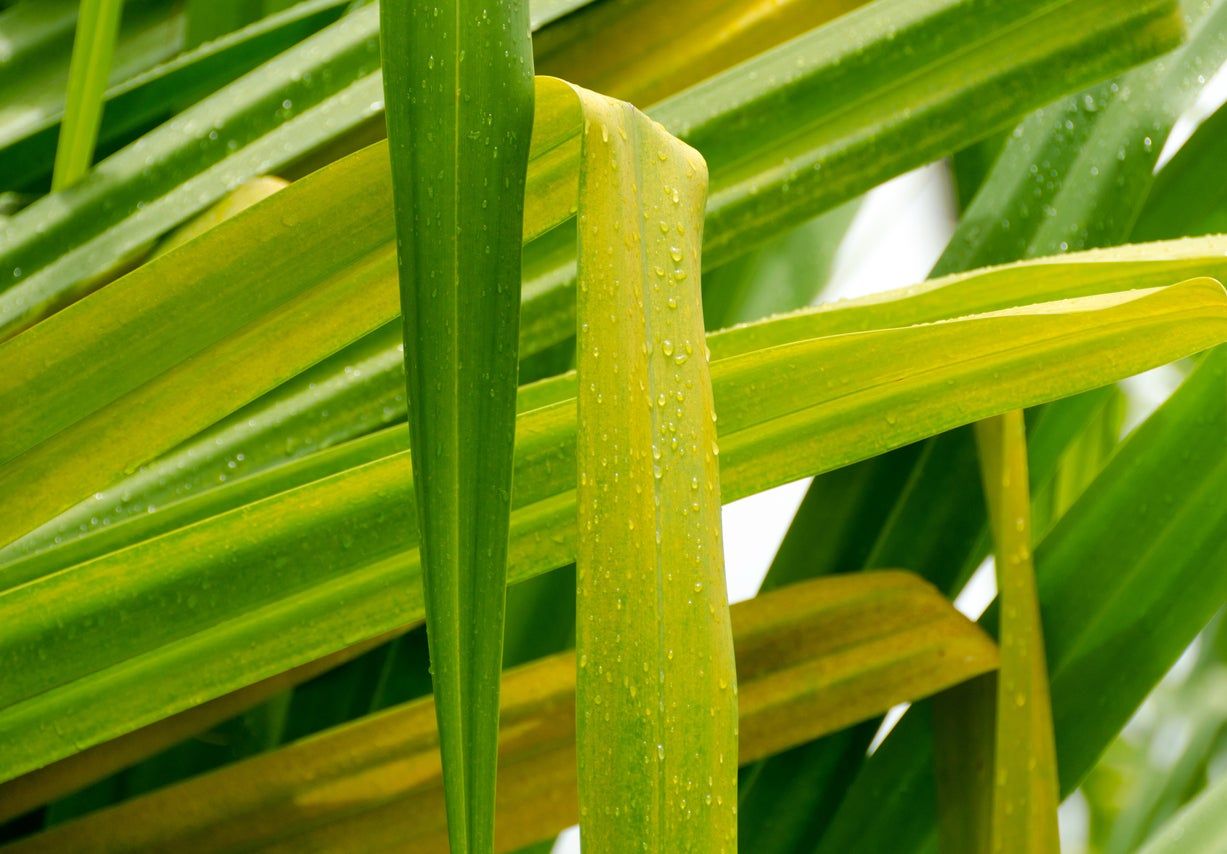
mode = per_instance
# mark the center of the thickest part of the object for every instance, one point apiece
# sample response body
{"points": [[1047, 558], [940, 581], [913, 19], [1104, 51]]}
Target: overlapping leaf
{"points": [[177, 598], [813, 658]]}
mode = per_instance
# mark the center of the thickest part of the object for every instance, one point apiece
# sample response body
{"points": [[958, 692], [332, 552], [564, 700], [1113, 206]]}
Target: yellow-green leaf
{"points": [[656, 691], [813, 657], [92, 49], [1025, 790]]}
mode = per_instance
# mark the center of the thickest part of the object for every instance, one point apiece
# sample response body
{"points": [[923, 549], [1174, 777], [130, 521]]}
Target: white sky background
{"points": [[897, 235]]}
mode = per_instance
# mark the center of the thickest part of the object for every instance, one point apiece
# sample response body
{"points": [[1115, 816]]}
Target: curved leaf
{"points": [[813, 658], [345, 538]]}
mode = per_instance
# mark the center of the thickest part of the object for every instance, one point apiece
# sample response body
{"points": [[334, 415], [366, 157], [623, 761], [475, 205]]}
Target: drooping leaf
{"points": [[813, 657], [545, 317], [922, 505], [1065, 155], [656, 692], [282, 354], [88, 766]]}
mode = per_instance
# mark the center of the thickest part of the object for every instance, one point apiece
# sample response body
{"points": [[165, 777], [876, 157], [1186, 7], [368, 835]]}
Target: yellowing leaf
{"points": [[813, 658]]}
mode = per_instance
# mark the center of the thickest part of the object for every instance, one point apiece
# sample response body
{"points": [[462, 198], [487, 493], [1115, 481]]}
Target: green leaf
{"points": [[627, 51], [35, 69], [1076, 173], [1196, 829], [131, 323], [68, 362], [1155, 786], [332, 87], [761, 179], [183, 597], [92, 49], [786, 274], [1024, 811], [343, 41], [459, 134], [964, 738], [1067, 156], [657, 689], [27, 147], [88, 766], [1120, 579], [813, 658], [916, 506], [210, 19], [1187, 197], [62, 247]]}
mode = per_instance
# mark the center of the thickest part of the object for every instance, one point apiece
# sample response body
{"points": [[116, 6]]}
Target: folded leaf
{"points": [[656, 693]]}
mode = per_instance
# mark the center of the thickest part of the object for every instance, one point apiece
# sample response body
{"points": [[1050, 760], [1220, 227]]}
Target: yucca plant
{"points": [[372, 376]]}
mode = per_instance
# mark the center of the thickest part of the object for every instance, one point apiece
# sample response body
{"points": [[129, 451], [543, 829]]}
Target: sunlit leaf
{"points": [[349, 536]]}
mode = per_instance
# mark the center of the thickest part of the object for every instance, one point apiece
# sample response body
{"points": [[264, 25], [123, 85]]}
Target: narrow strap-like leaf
{"points": [[1199, 828], [459, 92], [814, 657], [656, 691], [268, 575], [97, 27], [1025, 790]]}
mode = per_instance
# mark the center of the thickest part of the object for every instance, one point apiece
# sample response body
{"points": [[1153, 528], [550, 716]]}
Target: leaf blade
{"points": [[815, 657], [1025, 799], [360, 518], [459, 202], [656, 690]]}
